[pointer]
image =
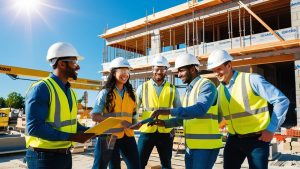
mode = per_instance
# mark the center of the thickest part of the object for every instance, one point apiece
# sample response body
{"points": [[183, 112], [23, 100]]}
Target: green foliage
{"points": [[15, 100], [2, 102]]}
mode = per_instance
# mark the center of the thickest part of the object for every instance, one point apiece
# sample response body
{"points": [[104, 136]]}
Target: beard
{"points": [[188, 79], [159, 78], [71, 73]]}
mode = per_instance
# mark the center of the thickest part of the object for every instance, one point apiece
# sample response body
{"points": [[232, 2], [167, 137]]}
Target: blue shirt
{"points": [[266, 90], [207, 96], [101, 100], [158, 89], [37, 109]]}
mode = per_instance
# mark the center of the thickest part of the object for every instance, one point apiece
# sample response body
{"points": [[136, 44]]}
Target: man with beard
{"points": [[199, 115], [156, 93], [243, 101], [51, 113]]}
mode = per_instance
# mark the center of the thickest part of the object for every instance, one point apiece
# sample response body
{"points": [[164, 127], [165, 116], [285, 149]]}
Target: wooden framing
{"points": [[261, 21], [164, 15]]}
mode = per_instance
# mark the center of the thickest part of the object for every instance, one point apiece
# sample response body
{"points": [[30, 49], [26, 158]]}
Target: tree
{"points": [[2, 102], [15, 100]]}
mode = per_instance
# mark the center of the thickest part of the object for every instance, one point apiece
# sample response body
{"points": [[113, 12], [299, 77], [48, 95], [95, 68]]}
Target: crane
{"points": [[80, 83]]}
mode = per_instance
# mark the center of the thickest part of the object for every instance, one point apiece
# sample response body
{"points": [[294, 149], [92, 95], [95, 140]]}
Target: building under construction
{"points": [[262, 35]]}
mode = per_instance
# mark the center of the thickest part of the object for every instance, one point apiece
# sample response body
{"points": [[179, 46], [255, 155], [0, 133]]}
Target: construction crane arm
{"points": [[80, 83]]}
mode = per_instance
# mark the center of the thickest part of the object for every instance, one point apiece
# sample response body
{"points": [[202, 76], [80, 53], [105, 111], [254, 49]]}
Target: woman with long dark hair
{"points": [[116, 99]]}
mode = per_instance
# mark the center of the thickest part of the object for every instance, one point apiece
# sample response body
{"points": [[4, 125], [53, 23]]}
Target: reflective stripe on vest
{"points": [[152, 102], [59, 117], [245, 112], [203, 132], [124, 108]]}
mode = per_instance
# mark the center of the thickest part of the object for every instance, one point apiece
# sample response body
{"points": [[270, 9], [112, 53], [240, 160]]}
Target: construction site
{"points": [[263, 36]]}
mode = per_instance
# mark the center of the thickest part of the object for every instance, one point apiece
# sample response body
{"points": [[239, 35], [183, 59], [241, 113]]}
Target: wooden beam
{"points": [[263, 60], [261, 21], [272, 46], [257, 61]]}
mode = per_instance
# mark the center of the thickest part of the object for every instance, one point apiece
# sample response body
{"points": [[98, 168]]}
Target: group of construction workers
{"points": [[241, 99]]}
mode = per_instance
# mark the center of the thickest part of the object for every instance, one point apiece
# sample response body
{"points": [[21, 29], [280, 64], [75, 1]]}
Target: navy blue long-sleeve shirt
{"points": [[37, 108]]}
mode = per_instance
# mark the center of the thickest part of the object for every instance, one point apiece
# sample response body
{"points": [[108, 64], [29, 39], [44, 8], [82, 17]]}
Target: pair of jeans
{"points": [[237, 149], [163, 143], [200, 158], [125, 146], [48, 160]]}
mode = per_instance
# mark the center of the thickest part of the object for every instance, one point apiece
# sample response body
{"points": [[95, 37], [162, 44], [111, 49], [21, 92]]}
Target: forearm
{"points": [[45, 131], [97, 117], [173, 122], [190, 112], [278, 116]]}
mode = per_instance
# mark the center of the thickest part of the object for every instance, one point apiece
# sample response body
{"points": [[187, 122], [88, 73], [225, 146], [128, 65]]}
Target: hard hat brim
{"points": [[79, 57], [130, 68], [213, 66], [216, 65]]}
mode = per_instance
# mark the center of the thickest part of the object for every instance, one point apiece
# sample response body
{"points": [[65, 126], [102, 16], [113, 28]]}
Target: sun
{"points": [[27, 6], [30, 13]]}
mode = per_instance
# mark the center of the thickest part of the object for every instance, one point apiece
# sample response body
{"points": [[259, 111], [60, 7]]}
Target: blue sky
{"points": [[24, 39]]}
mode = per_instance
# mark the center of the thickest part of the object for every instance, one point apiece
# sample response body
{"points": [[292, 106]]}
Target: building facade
{"points": [[262, 35]]}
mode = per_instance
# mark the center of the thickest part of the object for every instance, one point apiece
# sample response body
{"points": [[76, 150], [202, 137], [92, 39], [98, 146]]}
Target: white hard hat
{"points": [[160, 61], [119, 62], [62, 49], [185, 60], [217, 58]]}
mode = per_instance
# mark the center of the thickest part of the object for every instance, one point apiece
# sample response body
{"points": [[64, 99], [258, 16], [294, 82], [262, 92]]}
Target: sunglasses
{"points": [[72, 61]]}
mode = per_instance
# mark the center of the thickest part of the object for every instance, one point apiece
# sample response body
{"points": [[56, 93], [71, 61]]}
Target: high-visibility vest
{"points": [[60, 117], [151, 102], [202, 132], [245, 112], [124, 109]]}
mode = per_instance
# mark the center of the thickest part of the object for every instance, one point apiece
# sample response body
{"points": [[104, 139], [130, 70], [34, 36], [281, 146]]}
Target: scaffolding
{"points": [[199, 28]]}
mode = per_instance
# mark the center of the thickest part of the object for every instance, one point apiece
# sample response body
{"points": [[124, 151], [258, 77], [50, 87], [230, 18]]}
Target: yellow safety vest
{"points": [[151, 102], [203, 132], [123, 110], [246, 112], [60, 117]]}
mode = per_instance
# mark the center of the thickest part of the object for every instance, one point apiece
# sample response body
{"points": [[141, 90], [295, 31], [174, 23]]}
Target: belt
{"points": [[249, 135], [59, 150]]}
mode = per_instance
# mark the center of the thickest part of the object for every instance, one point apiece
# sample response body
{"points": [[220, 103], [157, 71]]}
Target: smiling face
{"points": [[184, 73], [122, 75], [223, 72], [159, 73]]}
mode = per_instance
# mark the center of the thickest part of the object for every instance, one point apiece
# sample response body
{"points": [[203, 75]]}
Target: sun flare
{"points": [[27, 6]]}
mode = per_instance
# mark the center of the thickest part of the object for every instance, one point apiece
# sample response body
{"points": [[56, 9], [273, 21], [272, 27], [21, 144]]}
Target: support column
{"points": [[297, 87], [155, 42], [295, 19], [295, 14]]}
